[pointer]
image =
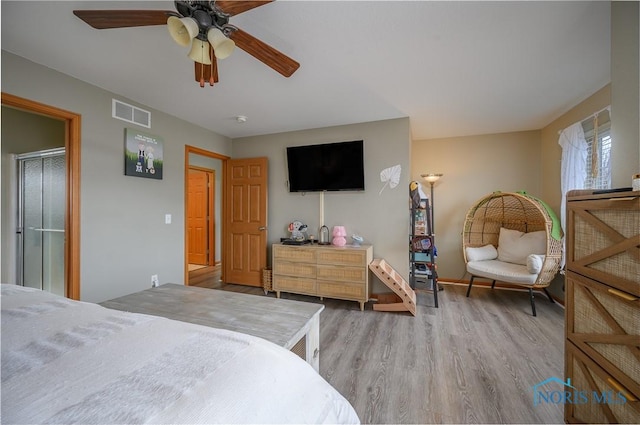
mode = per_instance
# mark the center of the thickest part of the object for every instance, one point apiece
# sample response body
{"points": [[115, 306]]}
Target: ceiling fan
{"points": [[203, 24]]}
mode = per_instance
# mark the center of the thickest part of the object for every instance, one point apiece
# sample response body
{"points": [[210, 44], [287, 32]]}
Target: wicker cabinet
{"points": [[323, 271], [602, 349]]}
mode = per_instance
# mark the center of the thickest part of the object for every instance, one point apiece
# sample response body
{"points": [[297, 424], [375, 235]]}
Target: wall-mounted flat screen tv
{"points": [[326, 167]]}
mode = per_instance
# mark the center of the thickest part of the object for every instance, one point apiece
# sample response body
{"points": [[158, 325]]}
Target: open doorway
{"points": [[70, 140], [203, 216]]}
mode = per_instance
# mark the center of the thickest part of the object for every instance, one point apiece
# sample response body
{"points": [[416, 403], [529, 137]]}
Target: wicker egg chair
{"points": [[516, 211]]}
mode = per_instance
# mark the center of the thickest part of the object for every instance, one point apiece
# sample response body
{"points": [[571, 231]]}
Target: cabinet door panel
{"points": [[602, 241], [605, 323], [598, 397]]}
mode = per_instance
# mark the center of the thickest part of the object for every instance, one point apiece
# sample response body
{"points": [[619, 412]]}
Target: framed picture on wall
{"points": [[143, 153]]}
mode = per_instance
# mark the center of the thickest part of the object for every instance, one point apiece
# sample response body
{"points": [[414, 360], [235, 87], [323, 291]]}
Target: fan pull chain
{"points": [[202, 75], [212, 62]]}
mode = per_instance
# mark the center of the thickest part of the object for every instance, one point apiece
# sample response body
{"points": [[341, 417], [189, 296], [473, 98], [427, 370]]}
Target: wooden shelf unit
{"points": [[322, 271], [422, 259], [602, 316]]}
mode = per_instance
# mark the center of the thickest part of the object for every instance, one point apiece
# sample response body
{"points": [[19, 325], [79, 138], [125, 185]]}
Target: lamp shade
{"points": [[339, 231], [200, 52], [182, 30], [222, 46], [431, 178]]}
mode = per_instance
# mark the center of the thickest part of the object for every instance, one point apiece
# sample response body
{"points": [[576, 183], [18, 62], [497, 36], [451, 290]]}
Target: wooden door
{"points": [[245, 253], [198, 215]]}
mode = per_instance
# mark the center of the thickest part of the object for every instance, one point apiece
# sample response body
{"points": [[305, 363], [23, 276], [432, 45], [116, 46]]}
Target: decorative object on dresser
{"points": [[339, 233], [298, 230], [501, 231], [602, 316], [322, 271], [357, 240], [323, 239]]}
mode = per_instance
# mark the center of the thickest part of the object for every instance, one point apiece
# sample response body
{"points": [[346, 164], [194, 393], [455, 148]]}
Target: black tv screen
{"points": [[326, 167]]}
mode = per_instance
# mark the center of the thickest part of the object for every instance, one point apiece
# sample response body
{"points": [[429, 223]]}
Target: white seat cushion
{"points": [[505, 272]]}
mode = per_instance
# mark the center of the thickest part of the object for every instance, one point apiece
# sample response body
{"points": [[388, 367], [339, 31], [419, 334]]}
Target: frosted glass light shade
{"points": [[431, 178], [222, 46], [182, 30], [200, 52]]}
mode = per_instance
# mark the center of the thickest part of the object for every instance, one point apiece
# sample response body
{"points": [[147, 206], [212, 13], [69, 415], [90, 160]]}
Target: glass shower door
{"points": [[41, 221]]}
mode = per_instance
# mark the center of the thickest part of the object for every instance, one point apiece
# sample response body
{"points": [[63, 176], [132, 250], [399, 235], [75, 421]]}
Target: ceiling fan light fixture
{"points": [[222, 46], [182, 30], [200, 52]]}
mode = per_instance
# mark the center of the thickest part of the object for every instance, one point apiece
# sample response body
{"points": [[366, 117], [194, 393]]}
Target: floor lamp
{"points": [[431, 179]]}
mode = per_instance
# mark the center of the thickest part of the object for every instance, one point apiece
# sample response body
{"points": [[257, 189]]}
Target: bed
{"points": [[66, 361]]}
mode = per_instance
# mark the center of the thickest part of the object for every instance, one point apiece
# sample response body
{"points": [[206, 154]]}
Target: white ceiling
{"points": [[454, 68]]}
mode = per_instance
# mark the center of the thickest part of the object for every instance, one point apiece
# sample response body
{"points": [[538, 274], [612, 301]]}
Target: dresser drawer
{"points": [[596, 396], [294, 269], [602, 240], [296, 285], [294, 253], [343, 257], [604, 323], [342, 274], [341, 290]]}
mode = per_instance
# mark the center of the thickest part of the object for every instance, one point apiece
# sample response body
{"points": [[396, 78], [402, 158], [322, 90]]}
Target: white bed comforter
{"points": [[66, 361]]}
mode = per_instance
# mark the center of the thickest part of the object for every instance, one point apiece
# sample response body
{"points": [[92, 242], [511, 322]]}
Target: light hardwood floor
{"points": [[473, 360]]}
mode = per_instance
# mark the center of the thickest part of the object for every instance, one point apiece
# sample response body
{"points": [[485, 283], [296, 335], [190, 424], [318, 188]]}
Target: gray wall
{"points": [[382, 219], [123, 236]]}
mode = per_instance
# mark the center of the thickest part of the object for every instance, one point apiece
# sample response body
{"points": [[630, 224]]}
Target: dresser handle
{"points": [[621, 389], [621, 294]]}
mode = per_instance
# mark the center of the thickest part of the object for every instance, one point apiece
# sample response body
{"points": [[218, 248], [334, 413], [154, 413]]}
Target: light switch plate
{"points": [[167, 219]]}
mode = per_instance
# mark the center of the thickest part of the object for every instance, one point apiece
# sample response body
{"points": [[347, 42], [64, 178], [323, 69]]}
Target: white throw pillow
{"points": [[534, 263], [515, 246], [487, 252]]}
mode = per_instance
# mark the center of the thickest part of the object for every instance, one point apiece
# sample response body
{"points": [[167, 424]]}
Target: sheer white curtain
{"points": [[573, 170]]}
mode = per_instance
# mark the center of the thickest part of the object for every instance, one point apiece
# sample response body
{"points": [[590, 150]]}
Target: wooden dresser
{"points": [[602, 348], [323, 271]]}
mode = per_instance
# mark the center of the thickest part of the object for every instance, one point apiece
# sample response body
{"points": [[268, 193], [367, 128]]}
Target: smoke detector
{"points": [[241, 119]]}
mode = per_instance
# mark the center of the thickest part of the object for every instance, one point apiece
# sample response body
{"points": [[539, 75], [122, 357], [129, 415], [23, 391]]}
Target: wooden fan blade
{"points": [[271, 57], [105, 19], [235, 7]]}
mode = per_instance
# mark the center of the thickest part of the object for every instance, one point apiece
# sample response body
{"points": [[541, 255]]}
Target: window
{"points": [[597, 133]]}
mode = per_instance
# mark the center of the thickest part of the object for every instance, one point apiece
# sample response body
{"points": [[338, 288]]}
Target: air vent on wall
{"points": [[129, 113]]}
